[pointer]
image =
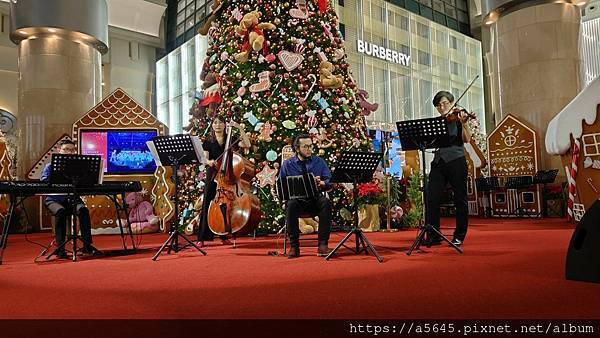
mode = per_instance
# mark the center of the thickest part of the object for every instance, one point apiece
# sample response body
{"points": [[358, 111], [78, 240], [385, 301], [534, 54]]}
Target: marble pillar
{"points": [[533, 64]]}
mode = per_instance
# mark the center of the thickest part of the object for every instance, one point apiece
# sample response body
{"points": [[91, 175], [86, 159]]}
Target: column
{"points": [[60, 43], [532, 60]]}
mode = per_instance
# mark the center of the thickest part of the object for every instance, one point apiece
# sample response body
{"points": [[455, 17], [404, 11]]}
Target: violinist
{"points": [[214, 146], [303, 163], [450, 166]]}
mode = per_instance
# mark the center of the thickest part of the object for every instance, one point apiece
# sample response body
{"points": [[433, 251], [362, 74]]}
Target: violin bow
{"points": [[463, 94]]}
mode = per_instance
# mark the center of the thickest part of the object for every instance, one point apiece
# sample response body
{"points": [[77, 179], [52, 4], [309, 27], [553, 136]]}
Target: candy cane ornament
{"points": [[572, 176], [314, 77]]}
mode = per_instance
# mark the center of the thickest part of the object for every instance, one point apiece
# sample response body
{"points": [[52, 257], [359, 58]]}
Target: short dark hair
{"points": [[65, 141], [296, 143], [440, 95]]}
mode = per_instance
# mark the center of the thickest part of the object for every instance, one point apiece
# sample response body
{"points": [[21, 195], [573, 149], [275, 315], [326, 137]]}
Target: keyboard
{"points": [[27, 188]]}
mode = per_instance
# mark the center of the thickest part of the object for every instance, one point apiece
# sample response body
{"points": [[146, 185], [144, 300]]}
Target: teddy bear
{"points": [[308, 225], [141, 214], [327, 79], [216, 7], [367, 107], [252, 31]]}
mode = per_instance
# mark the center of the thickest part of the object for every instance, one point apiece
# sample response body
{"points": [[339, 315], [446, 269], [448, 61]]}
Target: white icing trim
{"points": [[567, 123], [476, 160]]}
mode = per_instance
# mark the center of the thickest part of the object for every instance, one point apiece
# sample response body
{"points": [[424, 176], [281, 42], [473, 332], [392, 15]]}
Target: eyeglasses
{"points": [[443, 103], [306, 146]]}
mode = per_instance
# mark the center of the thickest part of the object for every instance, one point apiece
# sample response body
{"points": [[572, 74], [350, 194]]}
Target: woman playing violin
{"points": [[214, 146], [450, 166]]}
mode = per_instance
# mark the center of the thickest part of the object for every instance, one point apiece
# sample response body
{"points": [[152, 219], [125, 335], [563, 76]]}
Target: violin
{"points": [[234, 209], [454, 114]]}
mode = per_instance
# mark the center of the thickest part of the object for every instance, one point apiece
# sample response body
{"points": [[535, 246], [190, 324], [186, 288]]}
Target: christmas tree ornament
{"points": [[290, 60], [271, 155], [263, 82], [289, 124], [267, 176], [301, 12]]}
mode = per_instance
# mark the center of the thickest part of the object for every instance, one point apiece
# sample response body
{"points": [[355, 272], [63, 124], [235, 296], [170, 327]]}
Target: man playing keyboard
{"points": [[60, 207], [303, 163]]}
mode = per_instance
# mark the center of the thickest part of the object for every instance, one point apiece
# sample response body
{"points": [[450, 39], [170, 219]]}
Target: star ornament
{"points": [[267, 176]]}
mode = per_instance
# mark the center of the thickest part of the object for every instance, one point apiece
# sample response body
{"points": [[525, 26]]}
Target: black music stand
{"points": [[356, 167], [79, 171], [174, 151], [544, 177], [487, 185], [420, 135]]}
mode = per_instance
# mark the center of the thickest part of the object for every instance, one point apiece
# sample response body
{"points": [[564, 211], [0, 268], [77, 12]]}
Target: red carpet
{"points": [[510, 269]]}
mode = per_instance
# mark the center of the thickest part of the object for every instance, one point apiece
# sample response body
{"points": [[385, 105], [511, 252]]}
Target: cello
{"points": [[234, 210]]}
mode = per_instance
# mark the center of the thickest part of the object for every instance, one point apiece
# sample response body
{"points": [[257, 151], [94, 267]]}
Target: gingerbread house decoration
{"points": [[513, 157], [475, 162], [118, 111], [5, 167], [574, 135]]}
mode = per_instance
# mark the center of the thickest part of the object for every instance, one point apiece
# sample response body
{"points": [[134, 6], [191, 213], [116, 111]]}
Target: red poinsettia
{"points": [[369, 193]]}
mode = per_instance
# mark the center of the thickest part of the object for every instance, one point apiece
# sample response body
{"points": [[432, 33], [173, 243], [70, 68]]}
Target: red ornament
{"points": [[323, 5]]}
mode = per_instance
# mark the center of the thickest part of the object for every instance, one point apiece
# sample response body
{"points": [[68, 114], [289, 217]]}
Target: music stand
{"points": [[487, 185], [356, 167], [174, 151], [78, 171], [420, 135], [544, 177]]}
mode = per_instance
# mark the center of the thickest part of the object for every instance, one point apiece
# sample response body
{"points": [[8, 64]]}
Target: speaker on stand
{"points": [[583, 256]]}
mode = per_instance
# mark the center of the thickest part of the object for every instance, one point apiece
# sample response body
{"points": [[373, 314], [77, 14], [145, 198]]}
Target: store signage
{"points": [[383, 53]]}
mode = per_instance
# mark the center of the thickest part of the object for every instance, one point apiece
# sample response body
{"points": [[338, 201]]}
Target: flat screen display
{"points": [[123, 151], [394, 152]]}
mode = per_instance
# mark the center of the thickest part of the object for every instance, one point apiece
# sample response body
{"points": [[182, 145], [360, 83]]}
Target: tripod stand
{"points": [[176, 150], [425, 134], [356, 167], [80, 171]]}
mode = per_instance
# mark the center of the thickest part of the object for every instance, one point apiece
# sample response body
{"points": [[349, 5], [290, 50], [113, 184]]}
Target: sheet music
{"points": [[198, 149], [154, 153], [101, 172]]}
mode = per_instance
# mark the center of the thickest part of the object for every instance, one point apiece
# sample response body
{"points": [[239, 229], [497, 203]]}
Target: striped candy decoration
{"points": [[572, 173]]}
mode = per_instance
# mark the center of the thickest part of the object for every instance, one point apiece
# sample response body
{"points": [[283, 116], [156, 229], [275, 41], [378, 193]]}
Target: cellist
{"points": [[214, 146]]}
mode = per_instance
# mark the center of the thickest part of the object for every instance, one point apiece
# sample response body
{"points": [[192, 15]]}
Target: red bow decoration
{"points": [[323, 5]]}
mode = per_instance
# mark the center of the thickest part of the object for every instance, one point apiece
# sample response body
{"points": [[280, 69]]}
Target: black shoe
{"points": [[457, 242], [90, 251], [294, 252], [323, 250]]}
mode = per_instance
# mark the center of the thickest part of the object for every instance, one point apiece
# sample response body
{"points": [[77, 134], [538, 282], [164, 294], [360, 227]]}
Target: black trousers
{"points": [[210, 191], [61, 212], [455, 173], [295, 208]]}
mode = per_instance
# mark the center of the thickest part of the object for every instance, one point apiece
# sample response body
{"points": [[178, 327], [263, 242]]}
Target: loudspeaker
{"points": [[583, 257]]}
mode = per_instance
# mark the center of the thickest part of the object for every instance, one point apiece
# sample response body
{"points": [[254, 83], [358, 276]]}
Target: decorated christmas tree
{"points": [[280, 68]]}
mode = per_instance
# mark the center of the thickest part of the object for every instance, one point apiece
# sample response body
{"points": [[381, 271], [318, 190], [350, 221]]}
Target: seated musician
{"points": [[304, 162], [60, 207]]}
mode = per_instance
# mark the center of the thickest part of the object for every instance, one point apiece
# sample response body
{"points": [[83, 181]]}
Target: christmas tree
{"points": [[280, 68]]}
